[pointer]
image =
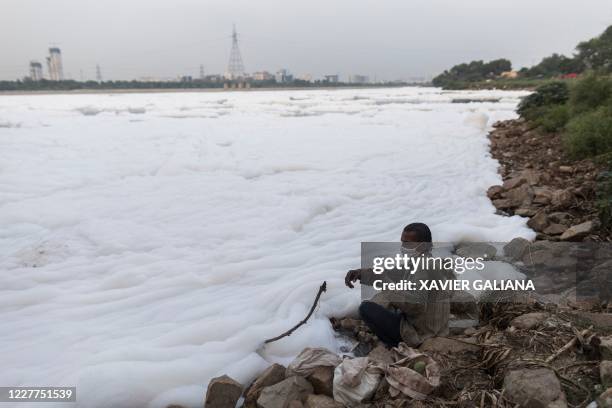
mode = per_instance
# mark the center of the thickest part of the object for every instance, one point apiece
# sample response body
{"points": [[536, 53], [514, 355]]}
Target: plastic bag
{"points": [[402, 378], [355, 381], [311, 358]]}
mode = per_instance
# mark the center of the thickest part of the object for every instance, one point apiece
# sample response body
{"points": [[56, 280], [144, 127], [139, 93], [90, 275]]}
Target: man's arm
{"points": [[364, 276]]}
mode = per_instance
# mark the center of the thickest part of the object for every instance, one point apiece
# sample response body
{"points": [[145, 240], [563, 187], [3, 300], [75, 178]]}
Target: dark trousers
{"points": [[383, 322]]}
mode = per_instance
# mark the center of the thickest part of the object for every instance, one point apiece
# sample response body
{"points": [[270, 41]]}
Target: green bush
{"points": [[554, 93], [552, 118], [589, 93], [589, 134], [472, 72]]}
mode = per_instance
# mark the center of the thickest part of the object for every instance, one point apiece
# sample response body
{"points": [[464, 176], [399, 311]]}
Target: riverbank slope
{"points": [[558, 195]]}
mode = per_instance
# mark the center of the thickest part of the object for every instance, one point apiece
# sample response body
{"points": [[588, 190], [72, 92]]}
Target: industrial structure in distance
{"points": [[235, 76]]}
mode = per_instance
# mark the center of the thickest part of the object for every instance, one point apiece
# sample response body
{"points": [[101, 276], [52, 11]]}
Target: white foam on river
{"points": [[149, 242]]}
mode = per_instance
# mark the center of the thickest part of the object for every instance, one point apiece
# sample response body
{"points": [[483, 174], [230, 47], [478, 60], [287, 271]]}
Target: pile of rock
{"points": [[470, 364], [557, 195], [271, 389], [276, 387]]}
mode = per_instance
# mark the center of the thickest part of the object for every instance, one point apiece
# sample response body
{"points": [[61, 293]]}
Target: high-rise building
{"points": [[36, 71], [283, 76], [54, 64]]}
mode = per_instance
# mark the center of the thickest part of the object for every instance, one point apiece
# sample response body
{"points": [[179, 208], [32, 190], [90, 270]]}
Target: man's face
{"points": [[410, 240]]}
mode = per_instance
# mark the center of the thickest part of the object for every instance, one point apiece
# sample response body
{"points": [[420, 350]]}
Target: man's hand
{"points": [[352, 276]]}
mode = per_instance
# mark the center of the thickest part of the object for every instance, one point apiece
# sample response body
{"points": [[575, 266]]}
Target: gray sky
{"points": [[389, 39]]}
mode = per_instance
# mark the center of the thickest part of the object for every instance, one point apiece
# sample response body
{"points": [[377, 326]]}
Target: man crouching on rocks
{"points": [[409, 316]]}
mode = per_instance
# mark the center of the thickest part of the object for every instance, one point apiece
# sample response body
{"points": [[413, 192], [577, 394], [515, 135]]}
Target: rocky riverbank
{"points": [[511, 355], [550, 349], [556, 194]]}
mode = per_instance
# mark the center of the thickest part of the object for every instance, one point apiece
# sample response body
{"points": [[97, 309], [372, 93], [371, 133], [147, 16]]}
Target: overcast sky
{"points": [[387, 39]]}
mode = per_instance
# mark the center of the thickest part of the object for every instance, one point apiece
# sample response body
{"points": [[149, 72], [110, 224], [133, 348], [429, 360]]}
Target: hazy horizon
{"points": [[397, 40]]}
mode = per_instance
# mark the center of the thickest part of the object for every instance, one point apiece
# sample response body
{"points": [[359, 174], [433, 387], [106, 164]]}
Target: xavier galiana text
{"points": [[413, 264]]}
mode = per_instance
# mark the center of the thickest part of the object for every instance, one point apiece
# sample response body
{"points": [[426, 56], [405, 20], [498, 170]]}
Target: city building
{"points": [[509, 74], [36, 71], [158, 79], [359, 79], [305, 77], [54, 64], [332, 79], [213, 78], [263, 76], [283, 76]]}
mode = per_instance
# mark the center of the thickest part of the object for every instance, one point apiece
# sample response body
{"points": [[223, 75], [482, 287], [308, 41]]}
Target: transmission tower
{"points": [[235, 68], [98, 73], [201, 71]]}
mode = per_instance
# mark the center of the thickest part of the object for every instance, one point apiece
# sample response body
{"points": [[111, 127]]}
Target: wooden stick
{"points": [[569, 344], [322, 289]]}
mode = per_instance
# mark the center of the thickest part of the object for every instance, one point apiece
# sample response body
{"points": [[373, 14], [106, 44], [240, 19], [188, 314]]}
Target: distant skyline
{"points": [[387, 40]]}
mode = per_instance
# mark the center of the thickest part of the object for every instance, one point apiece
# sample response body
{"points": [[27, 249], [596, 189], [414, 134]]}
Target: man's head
{"points": [[414, 234]]}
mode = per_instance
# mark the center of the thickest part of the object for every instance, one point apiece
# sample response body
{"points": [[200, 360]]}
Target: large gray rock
{"points": [[562, 199], [542, 195], [534, 388], [525, 212], [516, 248], [521, 196], [222, 392], [495, 192], [513, 182], [550, 255], [530, 177], [555, 229], [529, 321], [504, 204], [272, 375], [538, 258], [577, 232], [281, 394], [560, 218], [539, 221]]}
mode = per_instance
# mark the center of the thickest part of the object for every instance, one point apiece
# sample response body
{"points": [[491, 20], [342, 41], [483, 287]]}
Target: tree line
{"points": [[591, 55], [71, 85]]}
